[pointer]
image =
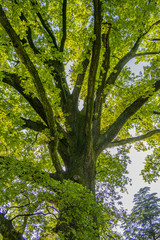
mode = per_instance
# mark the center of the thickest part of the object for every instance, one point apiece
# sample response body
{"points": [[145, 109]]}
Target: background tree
{"points": [[67, 97], [144, 220]]}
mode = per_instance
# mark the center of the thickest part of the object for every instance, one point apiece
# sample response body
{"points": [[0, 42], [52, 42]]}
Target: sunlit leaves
{"points": [[151, 169], [113, 168]]}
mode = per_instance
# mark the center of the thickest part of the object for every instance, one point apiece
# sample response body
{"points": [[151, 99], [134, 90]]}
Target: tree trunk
{"points": [[80, 169]]}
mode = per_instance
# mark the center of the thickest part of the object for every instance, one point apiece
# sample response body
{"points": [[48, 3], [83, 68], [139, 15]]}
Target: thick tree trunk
{"points": [[82, 170]]}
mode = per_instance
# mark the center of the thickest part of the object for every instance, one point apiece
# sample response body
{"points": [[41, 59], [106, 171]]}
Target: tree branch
{"points": [[114, 129], [31, 214], [36, 126], [155, 39], [7, 230], [123, 61], [80, 78], [46, 25], [156, 112], [58, 75], [93, 67], [64, 14], [29, 35], [113, 76], [47, 28], [103, 74], [18, 207], [146, 53], [53, 147], [58, 72], [15, 81], [132, 139]]}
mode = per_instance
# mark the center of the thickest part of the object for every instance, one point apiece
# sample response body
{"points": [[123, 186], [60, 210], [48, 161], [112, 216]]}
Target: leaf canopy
{"points": [[67, 96]]}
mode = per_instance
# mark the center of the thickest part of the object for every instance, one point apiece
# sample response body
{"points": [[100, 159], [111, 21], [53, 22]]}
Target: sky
{"points": [[138, 159]]}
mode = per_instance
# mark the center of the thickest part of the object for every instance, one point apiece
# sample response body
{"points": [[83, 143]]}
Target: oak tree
{"points": [[68, 97]]}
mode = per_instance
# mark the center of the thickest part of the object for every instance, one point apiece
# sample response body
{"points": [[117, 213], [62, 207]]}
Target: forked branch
{"points": [[106, 138], [100, 97], [131, 54]]}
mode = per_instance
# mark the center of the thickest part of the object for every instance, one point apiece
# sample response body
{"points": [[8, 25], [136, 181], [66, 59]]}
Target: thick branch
{"points": [[36, 126], [112, 78], [53, 147], [103, 74], [110, 81], [114, 129], [28, 32], [64, 14], [7, 230], [58, 74], [132, 139], [15, 81], [106, 56], [80, 79], [93, 67]]}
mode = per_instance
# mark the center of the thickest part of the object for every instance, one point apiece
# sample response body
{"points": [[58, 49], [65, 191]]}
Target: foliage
{"points": [[67, 97], [143, 222], [41, 208]]}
